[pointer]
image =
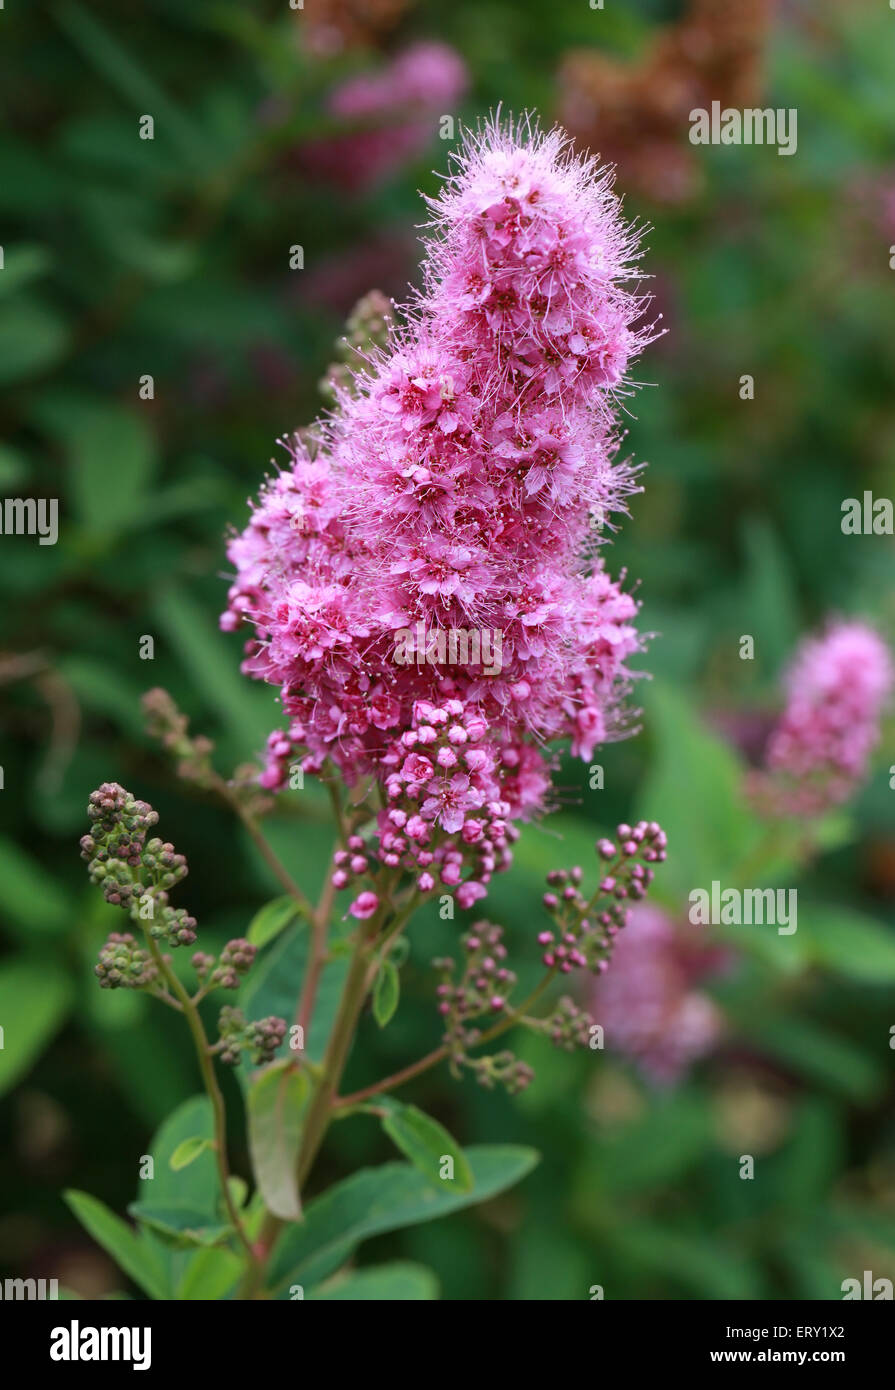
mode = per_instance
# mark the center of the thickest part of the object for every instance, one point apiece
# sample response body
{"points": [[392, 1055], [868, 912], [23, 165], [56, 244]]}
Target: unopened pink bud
{"points": [[364, 906]]}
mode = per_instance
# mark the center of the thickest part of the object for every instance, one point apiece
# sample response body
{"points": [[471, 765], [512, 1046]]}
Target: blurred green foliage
{"points": [[170, 258]]}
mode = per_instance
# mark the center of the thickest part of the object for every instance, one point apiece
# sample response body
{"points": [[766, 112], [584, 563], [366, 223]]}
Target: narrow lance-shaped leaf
{"points": [[271, 919], [382, 1199], [428, 1146], [132, 80], [34, 1001], [276, 1105], [127, 1248], [386, 993], [188, 1151]]}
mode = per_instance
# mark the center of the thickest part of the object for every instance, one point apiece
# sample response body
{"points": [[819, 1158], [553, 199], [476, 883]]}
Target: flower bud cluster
{"points": [[235, 960], [133, 873], [120, 823], [170, 726], [568, 1026], [450, 802], [259, 1040], [368, 327], [124, 965], [484, 986], [585, 928], [174, 925], [501, 1069], [482, 991]]}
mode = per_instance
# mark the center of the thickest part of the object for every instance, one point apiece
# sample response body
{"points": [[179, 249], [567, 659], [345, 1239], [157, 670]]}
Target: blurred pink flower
{"points": [[818, 753], [647, 1002], [392, 115]]}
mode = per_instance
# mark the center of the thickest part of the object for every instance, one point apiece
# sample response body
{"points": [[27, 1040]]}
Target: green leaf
{"points": [[385, 1199], [239, 1191], [211, 1275], [108, 692], [427, 1144], [386, 992], [770, 609], [276, 1105], [805, 1255], [29, 187], [399, 952], [271, 919], [788, 955], [544, 1243], [695, 791], [32, 338], [112, 455], [22, 264], [34, 1000], [142, 94], [833, 831], [814, 1053], [400, 1282], [196, 1187], [114, 460], [128, 1248], [105, 145], [122, 225], [30, 899], [695, 1261], [849, 943], [13, 466], [187, 1152], [179, 1225], [804, 1173], [660, 1148], [864, 1221]]}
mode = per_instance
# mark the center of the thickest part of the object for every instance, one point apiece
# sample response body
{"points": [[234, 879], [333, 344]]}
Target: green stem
{"points": [[318, 1115], [277, 868], [322, 1108], [319, 931], [215, 1095], [335, 1057], [358, 983], [398, 1078]]}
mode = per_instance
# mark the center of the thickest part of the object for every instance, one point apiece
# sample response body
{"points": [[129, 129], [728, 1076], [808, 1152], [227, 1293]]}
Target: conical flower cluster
{"points": [[838, 686], [423, 580]]}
